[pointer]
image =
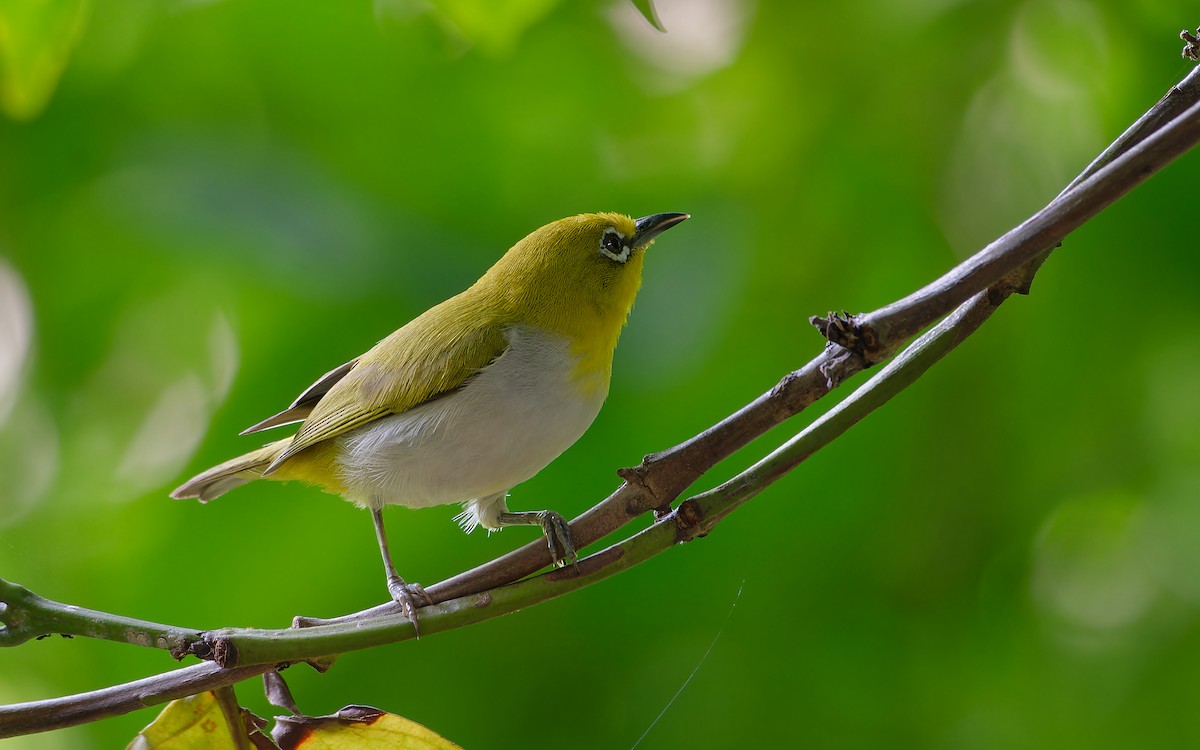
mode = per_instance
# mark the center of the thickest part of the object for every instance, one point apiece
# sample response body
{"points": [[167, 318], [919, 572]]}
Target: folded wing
{"points": [[427, 359]]}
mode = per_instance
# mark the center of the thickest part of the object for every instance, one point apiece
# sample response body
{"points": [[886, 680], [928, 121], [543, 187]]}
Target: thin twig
{"points": [[58, 713]]}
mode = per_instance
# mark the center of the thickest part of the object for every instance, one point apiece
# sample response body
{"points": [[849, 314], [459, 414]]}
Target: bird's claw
{"points": [[558, 538], [407, 595]]}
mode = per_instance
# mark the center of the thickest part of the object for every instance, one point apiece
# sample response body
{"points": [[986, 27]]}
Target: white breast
{"points": [[517, 415]]}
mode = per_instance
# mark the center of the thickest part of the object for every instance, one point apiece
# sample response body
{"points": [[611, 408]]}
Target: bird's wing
{"points": [[299, 409], [423, 361]]}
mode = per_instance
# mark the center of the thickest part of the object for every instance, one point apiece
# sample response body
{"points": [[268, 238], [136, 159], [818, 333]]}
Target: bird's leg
{"points": [[401, 592], [554, 526]]}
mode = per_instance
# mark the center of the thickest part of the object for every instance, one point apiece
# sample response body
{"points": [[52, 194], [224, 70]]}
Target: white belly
{"points": [[514, 417]]}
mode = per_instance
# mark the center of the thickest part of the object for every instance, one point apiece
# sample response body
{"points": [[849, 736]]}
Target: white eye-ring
{"points": [[612, 244]]}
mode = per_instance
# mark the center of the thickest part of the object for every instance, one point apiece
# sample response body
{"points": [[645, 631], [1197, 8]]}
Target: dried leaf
{"points": [[278, 692], [357, 727]]}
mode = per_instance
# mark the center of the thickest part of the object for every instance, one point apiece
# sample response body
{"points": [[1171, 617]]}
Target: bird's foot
{"points": [[558, 538], [407, 595], [554, 526]]}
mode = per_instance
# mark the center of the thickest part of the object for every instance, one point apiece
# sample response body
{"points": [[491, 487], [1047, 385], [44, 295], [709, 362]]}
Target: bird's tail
{"points": [[211, 484]]}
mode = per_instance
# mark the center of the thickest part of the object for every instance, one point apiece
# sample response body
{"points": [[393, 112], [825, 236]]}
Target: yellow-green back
{"points": [[556, 279]]}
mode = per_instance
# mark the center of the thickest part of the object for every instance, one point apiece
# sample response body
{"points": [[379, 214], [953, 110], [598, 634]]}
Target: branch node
{"points": [[849, 332], [636, 477], [688, 517], [225, 653], [201, 649], [1191, 50]]}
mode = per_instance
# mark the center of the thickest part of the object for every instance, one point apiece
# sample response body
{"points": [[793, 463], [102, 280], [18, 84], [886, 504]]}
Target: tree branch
{"points": [[977, 286], [59, 713], [27, 615]]}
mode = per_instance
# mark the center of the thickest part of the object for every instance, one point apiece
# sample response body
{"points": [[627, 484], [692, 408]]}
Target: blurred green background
{"points": [[222, 200]]}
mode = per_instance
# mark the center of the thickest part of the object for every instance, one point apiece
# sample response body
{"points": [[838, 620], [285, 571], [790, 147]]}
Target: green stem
{"points": [[27, 615]]}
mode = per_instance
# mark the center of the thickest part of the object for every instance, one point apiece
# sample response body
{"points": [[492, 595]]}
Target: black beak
{"points": [[649, 227]]}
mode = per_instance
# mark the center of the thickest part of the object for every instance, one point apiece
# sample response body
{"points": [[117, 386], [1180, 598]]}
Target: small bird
{"points": [[472, 397]]}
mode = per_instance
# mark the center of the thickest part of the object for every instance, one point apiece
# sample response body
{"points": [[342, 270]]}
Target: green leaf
{"points": [[36, 40], [357, 727], [647, 9]]}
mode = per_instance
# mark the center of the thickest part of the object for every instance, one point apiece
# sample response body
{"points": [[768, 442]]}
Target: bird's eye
{"points": [[612, 244]]}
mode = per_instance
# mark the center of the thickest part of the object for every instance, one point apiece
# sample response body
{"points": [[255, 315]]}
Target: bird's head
{"points": [[579, 274]]}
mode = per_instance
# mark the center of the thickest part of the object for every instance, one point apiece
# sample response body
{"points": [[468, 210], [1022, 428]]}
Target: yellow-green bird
{"points": [[472, 397]]}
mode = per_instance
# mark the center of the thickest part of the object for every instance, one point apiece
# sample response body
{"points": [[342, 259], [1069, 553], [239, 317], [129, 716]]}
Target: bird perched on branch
{"points": [[472, 397]]}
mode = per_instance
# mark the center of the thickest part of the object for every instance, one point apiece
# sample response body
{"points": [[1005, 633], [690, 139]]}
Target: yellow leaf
{"points": [[357, 728], [193, 723], [202, 722], [36, 39]]}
